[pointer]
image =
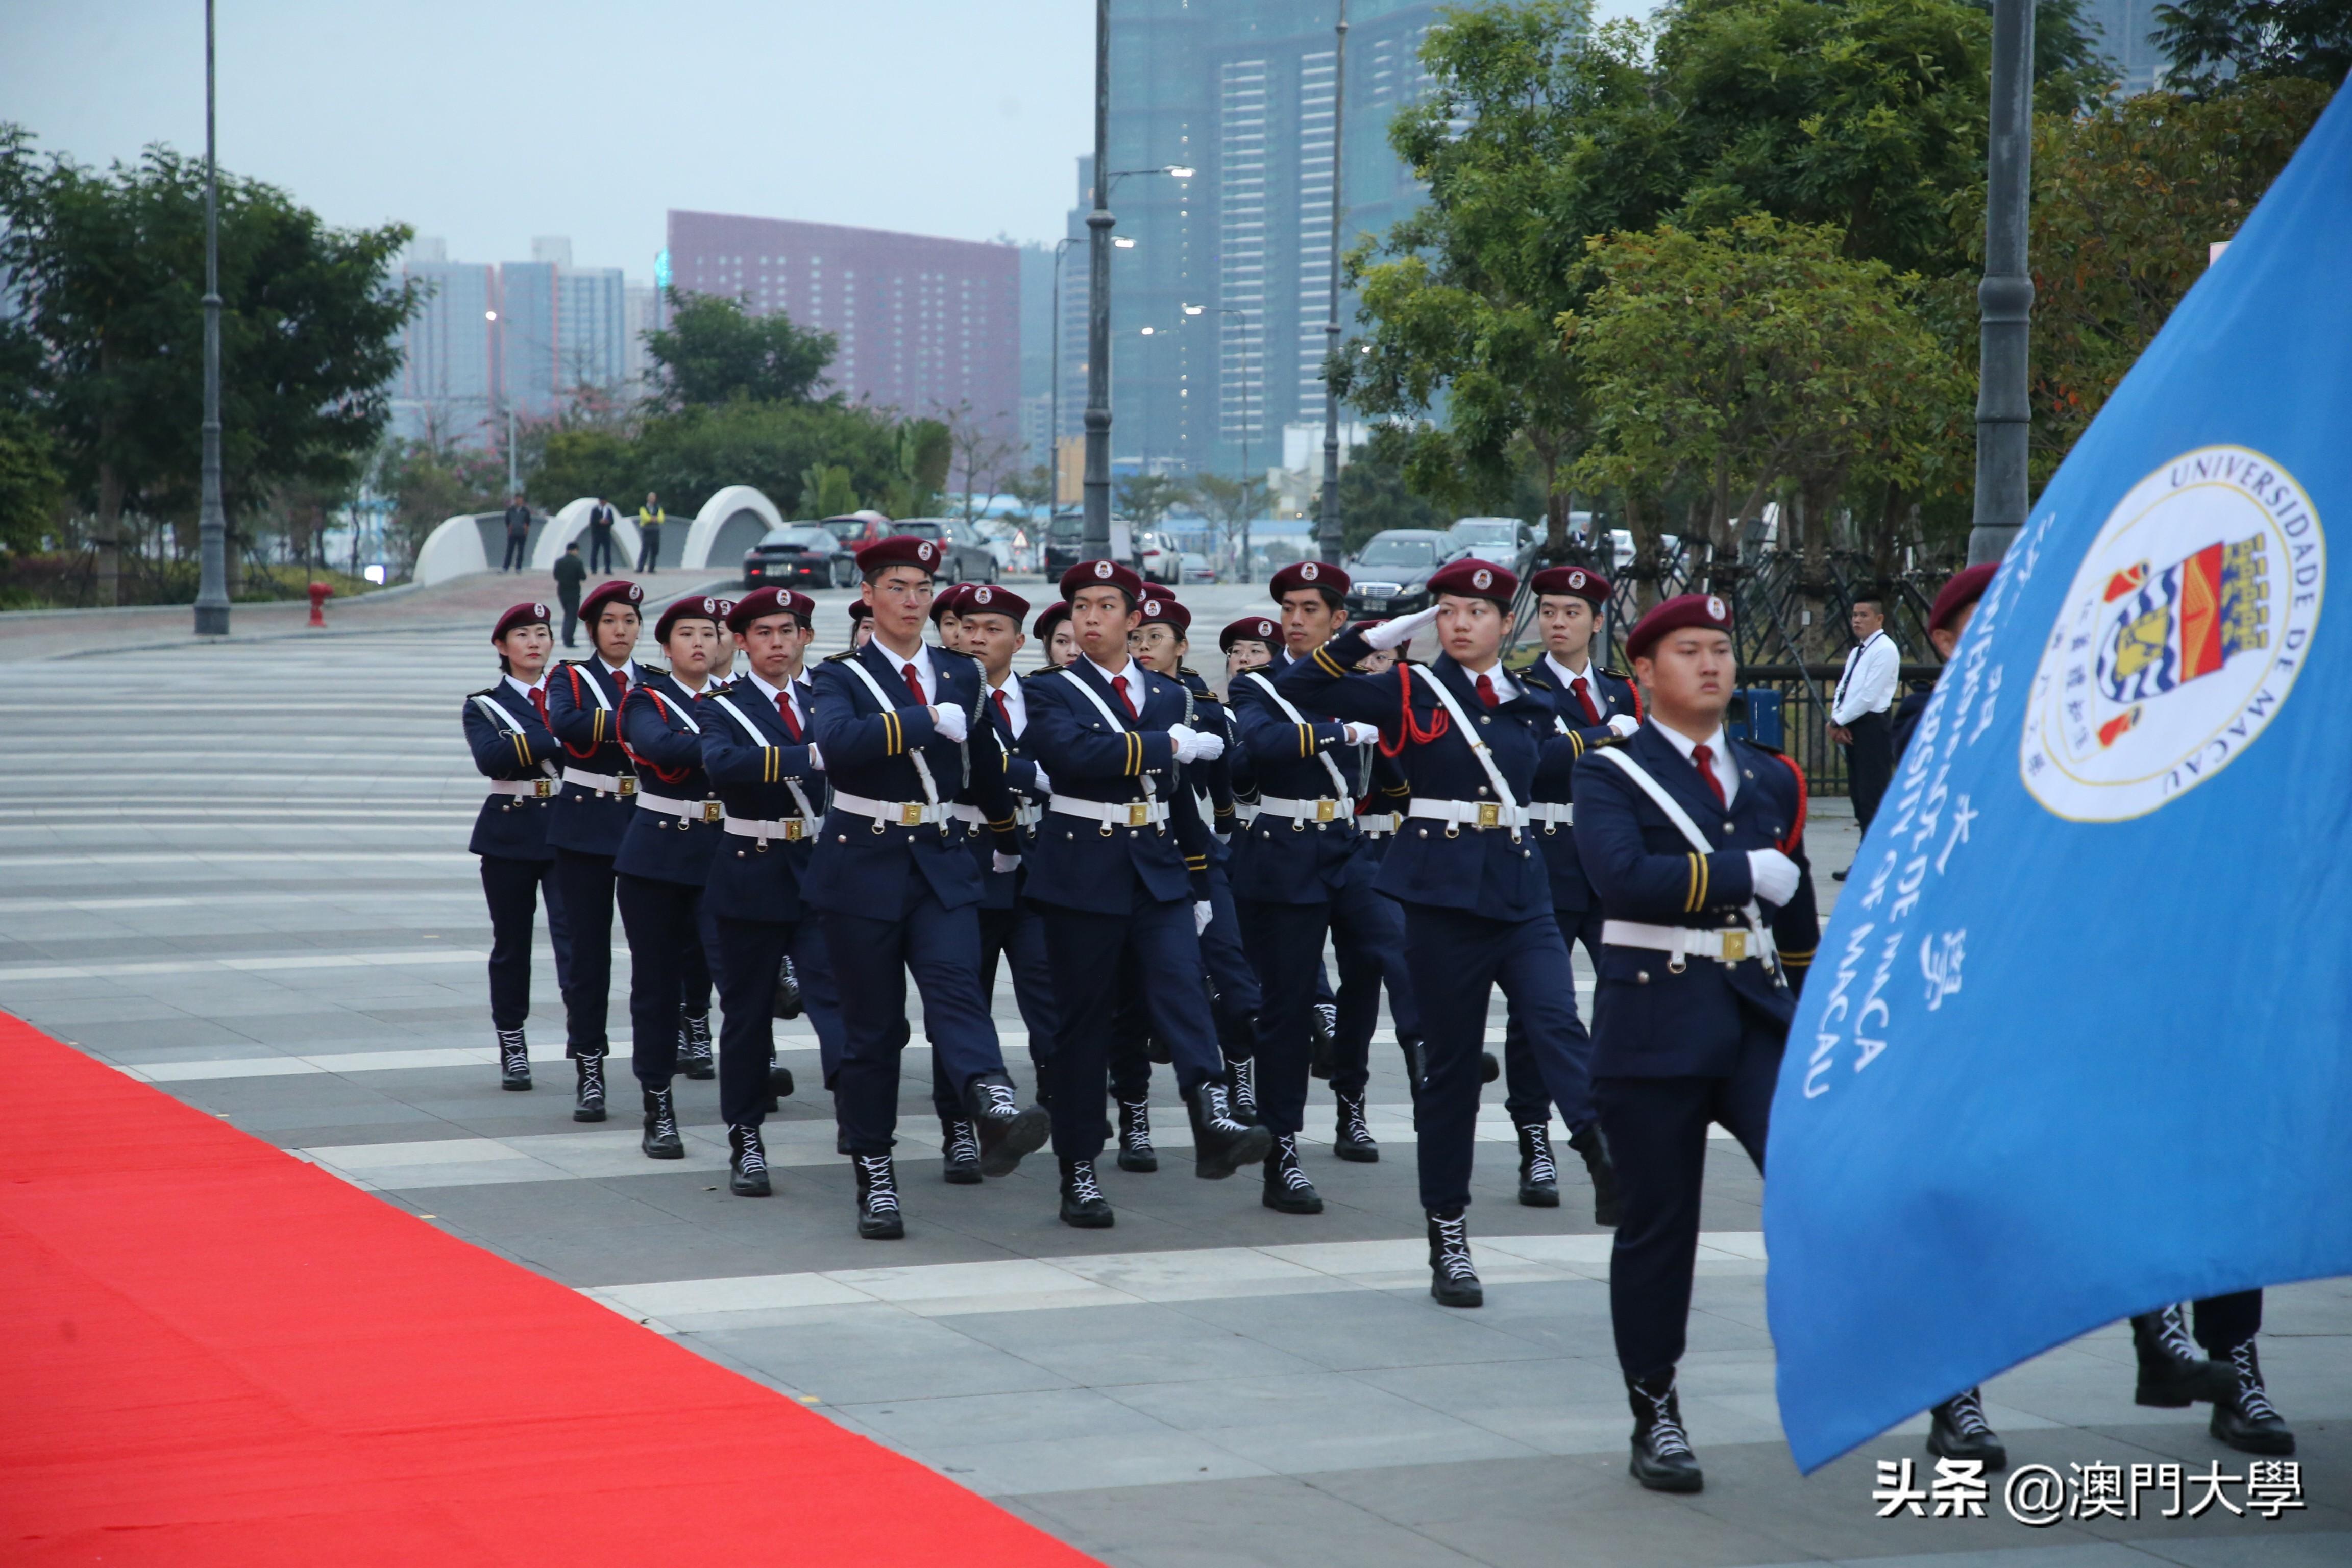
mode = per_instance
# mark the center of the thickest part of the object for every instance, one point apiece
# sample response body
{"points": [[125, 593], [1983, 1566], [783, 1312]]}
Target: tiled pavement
{"points": [[238, 873]]}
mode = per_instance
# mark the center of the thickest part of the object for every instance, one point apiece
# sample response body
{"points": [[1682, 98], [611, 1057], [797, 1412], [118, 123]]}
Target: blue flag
{"points": [[2078, 1041]]}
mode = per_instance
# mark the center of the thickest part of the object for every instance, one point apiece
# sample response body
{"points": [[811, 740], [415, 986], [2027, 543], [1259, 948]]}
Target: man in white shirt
{"points": [[1859, 713]]}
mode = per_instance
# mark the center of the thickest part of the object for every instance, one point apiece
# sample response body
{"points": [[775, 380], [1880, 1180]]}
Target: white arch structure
{"points": [[729, 523]]}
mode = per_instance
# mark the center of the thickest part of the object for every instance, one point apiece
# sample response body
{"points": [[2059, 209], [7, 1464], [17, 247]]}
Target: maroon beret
{"points": [[948, 601], [619, 591], [1309, 574], [1163, 607], [1249, 628], [532, 614], [1702, 610], [693, 607], [1474, 579], [1052, 616], [988, 599], [900, 550], [1102, 574], [1965, 589], [858, 610], [761, 602], [1581, 581]]}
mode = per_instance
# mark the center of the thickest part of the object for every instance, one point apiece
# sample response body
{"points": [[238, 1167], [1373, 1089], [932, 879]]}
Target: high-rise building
{"points": [[1240, 93], [924, 325], [449, 375], [2123, 28]]}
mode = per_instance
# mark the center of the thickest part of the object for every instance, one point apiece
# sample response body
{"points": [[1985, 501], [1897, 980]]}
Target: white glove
{"points": [[1044, 784], [1623, 724], [1362, 734], [1186, 740], [1773, 874], [948, 722], [1000, 862], [1202, 912], [1397, 633], [1211, 746], [816, 758]]}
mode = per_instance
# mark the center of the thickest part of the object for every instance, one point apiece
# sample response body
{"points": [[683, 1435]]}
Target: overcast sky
{"points": [[490, 121]]}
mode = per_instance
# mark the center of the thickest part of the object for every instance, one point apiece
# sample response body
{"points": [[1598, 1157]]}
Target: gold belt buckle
{"points": [[1735, 946], [795, 829], [910, 815], [1490, 814], [714, 811], [542, 788], [628, 785], [1138, 814], [1326, 810]]}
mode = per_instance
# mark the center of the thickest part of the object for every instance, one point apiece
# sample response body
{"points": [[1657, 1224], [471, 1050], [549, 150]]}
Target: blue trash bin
{"points": [[1755, 716]]}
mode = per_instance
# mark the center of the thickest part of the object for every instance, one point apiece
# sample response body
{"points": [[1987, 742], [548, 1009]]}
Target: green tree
{"points": [[2218, 46], [428, 484], [1145, 499], [922, 452], [714, 350], [826, 490], [1374, 496], [32, 489]]}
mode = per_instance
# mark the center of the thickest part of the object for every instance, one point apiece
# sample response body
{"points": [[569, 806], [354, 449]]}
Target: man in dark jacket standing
{"points": [[601, 519], [517, 533], [571, 572]]}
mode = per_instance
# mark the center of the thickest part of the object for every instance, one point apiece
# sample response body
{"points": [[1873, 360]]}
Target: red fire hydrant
{"points": [[319, 593]]}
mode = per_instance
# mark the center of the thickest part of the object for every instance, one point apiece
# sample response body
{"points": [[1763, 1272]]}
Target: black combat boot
{"points": [[1453, 1280], [1662, 1460], [959, 1153], [2247, 1420], [1221, 1144], [1489, 1070], [661, 1141], [694, 1046], [747, 1164], [1416, 1062], [588, 1101], [1135, 1151], [2171, 1373], [1538, 1176], [1602, 1171], [787, 1003], [1007, 1129], [1353, 1138], [1083, 1204], [1322, 1040], [514, 1061], [878, 1199], [779, 1086], [1287, 1190], [1242, 1099], [1957, 1429]]}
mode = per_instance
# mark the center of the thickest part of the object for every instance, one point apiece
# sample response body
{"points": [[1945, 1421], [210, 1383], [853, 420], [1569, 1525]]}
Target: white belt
{"points": [[1244, 812], [1377, 824], [970, 815], [1299, 813], [1461, 814], [1026, 813], [1554, 814], [1113, 812], [528, 789], [791, 829], [622, 785], [690, 810], [1725, 946], [896, 813]]}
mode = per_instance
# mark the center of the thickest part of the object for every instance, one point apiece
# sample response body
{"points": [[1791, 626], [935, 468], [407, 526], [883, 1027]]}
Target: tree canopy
{"points": [[714, 350]]}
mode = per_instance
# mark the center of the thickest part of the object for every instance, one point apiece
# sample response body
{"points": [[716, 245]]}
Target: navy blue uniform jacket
{"points": [[1278, 860], [1074, 863], [587, 820], [754, 774], [509, 827], [861, 867], [1612, 694], [1000, 889], [658, 726], [1492, 872], [1648, 1021]]}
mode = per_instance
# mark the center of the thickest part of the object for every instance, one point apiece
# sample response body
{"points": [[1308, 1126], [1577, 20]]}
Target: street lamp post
{"points": [[1054, 400], [2005, 297], [1098, 226], [212, 526], [1248, 507], [1330, 533]]}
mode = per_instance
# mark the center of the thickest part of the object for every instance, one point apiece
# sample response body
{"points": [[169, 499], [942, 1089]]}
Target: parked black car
{"points": [[799, 555], [1391, 575], [964, 555]]}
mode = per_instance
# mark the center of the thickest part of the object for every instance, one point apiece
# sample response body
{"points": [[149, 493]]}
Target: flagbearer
{"points": [[1694, 843], [506, 729]]}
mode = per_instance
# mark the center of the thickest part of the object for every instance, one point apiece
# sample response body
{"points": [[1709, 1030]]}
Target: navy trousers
{"points": [[1088, 952], [585, 882], [600, 549], [1234, 999], [748, 953], [1457, 959], [1018, 934], [2225, 1322], [871, 959], [1656, 1130], [512, 888], [1361, 975], [1525, 1097], [1285, 942], [667, 965]]}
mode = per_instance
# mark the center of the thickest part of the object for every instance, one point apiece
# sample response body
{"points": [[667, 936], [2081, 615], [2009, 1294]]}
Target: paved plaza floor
{"points": [[238, 873]]}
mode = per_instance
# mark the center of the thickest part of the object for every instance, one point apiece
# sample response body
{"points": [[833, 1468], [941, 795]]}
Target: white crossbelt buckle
{"points": [[714, 811], [910, 813]]}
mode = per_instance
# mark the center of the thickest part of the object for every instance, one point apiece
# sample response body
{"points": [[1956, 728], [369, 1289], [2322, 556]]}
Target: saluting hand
{"points": [[1399, 632]]}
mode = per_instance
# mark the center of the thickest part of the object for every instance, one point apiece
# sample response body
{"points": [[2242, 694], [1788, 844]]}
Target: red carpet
{"points": [[211, 1354]]}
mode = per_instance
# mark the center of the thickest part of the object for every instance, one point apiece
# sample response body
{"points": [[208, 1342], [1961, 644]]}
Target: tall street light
{"points": [[2005, 297], [1098, 222], [1248, 507], [1329, 535], [212, 526], [1053, 402]]}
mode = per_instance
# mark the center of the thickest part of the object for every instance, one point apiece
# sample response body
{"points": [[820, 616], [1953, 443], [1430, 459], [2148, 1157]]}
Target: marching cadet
{"points": [[1591, 705], [589, 818], [1694, 843], [758, 751], [861, 624], [664, 859], [894, 880], [1291, 868], [946, 618], [1053, 632], [1248, 644], [1114, 881], [506, 729], [1477, 906]]}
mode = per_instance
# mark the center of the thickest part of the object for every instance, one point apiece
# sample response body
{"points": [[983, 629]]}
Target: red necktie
{"points": [[1704, 761], [784, 712], [1003, 713], [539, 701], [1118, 684], [1585, 697], [621, 685], [1486, 692], [914, 683]]}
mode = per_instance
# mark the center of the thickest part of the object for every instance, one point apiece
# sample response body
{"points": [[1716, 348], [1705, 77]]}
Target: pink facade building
{"points": [[924, 325]]}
